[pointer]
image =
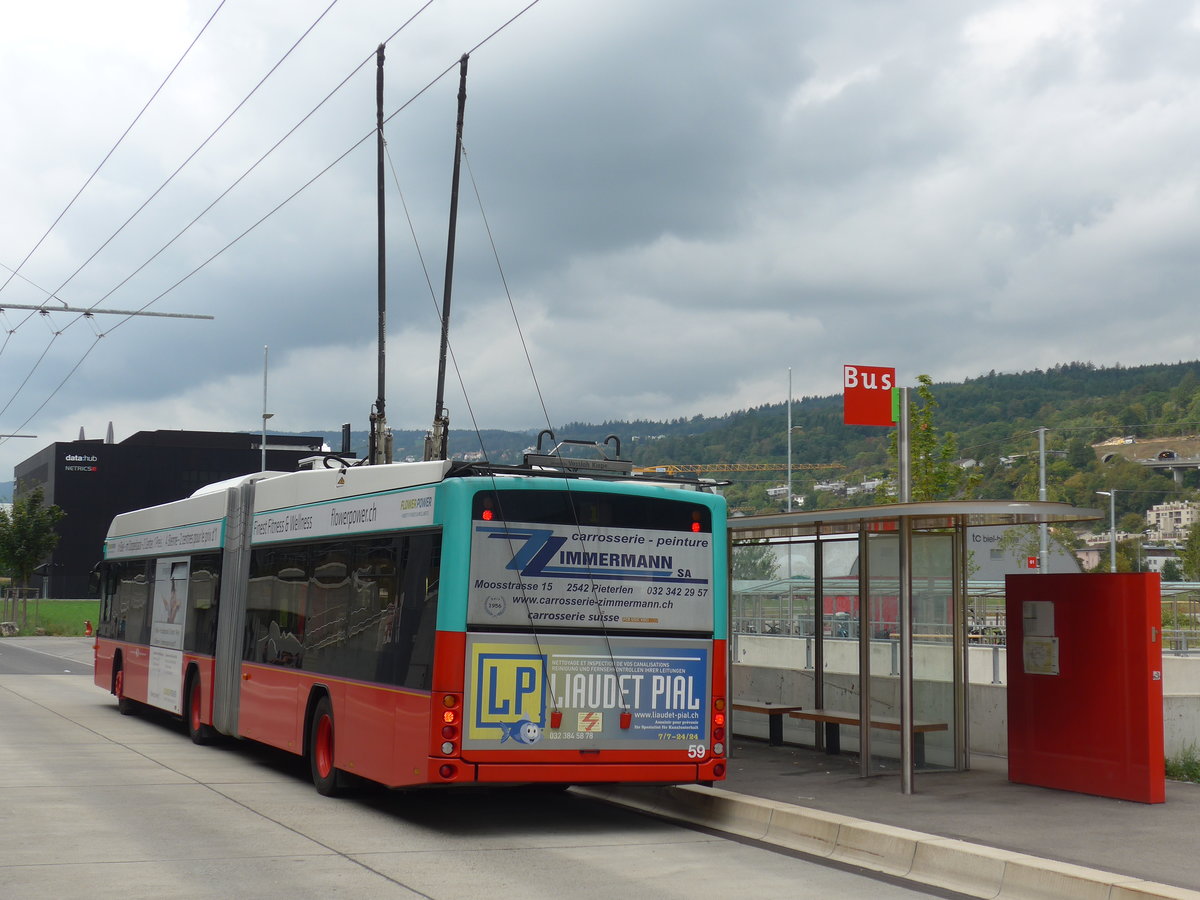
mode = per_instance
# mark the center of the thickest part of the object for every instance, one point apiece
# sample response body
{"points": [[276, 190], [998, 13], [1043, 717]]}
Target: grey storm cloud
{"points": [[685, 200]]}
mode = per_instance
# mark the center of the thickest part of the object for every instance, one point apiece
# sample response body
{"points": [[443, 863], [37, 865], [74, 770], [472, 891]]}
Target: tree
{"points": [[1023, 541], [27, 535], [1132, 523], [755, 562], [1190, 555], [1172, 570], [934, 470]]}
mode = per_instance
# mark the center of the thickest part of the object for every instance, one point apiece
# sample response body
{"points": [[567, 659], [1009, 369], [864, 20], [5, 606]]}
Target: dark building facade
{"points": [[92, 481]]}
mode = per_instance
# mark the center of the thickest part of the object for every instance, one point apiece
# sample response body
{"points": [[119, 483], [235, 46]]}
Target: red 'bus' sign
{"points": [[867, 398]]}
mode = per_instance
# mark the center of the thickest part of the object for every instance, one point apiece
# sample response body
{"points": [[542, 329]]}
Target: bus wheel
{"points": [[320, 750], [125, 706], [197, 730]]}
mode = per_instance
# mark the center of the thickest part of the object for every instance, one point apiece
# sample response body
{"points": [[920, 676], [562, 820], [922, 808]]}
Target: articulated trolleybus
{"points": [[432, 622]]}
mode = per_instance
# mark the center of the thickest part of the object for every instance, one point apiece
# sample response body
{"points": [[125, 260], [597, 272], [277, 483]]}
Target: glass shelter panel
{"points": [[933, 650], [934, 647], [882, 576]]}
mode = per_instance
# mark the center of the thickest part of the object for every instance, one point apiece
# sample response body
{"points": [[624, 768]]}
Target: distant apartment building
{"points": [[1171, 521]]}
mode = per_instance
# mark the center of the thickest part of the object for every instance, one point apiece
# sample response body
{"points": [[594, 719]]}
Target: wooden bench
{"points": [[774, 712], [834, 719]]}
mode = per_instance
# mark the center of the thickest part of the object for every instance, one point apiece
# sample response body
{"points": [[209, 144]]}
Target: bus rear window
{"points": [[589, 508]]}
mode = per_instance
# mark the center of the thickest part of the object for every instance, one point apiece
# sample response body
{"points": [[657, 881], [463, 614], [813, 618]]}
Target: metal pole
{"points": [[903, 449], [789, 444], [962, 658], [819, 638], [1043, 528], [906, 667], [864, 656], [379, 428], [905, 571], [265, 415], [1112, 531]]}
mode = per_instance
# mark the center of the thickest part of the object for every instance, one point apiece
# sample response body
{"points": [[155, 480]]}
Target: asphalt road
{"points": [[97, 805]]}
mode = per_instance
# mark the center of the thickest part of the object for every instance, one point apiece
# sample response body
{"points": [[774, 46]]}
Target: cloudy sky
{"points": [[686, 198]]}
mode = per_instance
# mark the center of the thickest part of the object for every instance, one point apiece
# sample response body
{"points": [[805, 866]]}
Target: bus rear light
{"points": [[450, 717], [447, 748], [447, 771], [718, 734], [718, 749], [718, 703], [719, 770], [719, 719], [449, 732], [449, 701]]}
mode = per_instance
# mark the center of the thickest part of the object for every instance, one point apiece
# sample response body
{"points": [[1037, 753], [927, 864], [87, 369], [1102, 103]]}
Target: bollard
{"points": [[995, 664], [87, 627]]}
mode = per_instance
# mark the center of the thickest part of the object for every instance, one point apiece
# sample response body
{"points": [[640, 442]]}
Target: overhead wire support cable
{"points": [[201, 146], [124, 134], [93, 311], [257, 163], [282, 203], [338, 159]]}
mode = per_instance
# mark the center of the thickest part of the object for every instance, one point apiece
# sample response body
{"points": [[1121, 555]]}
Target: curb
{"points": [[955, 865]]}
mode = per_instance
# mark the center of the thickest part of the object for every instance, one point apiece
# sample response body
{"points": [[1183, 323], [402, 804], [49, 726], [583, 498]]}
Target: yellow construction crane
{"points": [[672, 469]]}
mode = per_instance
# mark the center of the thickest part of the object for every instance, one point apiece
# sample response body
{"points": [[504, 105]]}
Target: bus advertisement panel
{"points": [[169, 611], [566, 576], [565, 693]]}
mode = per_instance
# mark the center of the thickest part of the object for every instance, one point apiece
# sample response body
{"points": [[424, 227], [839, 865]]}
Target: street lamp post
{"points": [[265, 415], [1112, 528], [789, 444]]}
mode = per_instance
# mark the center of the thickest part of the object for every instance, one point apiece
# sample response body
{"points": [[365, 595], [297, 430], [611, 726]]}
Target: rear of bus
{"points": [[582, 633]]}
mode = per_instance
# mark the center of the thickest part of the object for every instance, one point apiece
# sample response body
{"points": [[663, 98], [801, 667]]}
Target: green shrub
{"points": [[1185, 766]]}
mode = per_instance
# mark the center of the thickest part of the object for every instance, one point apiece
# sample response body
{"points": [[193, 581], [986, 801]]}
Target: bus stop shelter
{"points": [[878, 595]]}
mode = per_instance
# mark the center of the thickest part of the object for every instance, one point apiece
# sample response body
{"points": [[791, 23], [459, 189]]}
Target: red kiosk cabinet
{"points": [[1085, 698]]}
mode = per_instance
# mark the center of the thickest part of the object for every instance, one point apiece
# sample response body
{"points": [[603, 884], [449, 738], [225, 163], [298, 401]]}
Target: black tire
{"points": [[125, 706], [199, 732], [328, 781]]}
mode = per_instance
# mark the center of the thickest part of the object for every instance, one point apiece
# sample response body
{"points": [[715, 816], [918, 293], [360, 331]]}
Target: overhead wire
{"points": [[157, 191], [124, 134], [571, 499], [303, 187]]}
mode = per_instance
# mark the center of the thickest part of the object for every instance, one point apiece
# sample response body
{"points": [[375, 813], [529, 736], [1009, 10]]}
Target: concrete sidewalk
{"points": [[972, 832]]}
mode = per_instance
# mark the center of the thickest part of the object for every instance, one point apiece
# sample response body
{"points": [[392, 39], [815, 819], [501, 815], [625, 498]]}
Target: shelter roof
{"points": [[923, 516]]}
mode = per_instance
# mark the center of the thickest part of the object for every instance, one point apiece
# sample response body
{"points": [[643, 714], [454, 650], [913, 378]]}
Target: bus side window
{"points": [[325, 616], [372, 610], [136, 580], [275, 606], [200, 635], [418, 612]]}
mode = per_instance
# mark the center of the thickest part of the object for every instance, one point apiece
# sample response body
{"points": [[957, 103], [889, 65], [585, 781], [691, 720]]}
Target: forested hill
{"points": [[993, 417]]}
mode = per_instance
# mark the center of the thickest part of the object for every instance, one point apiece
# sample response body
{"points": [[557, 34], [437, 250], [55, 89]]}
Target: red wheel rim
{"points": [[194, 706], [323, 751]]}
